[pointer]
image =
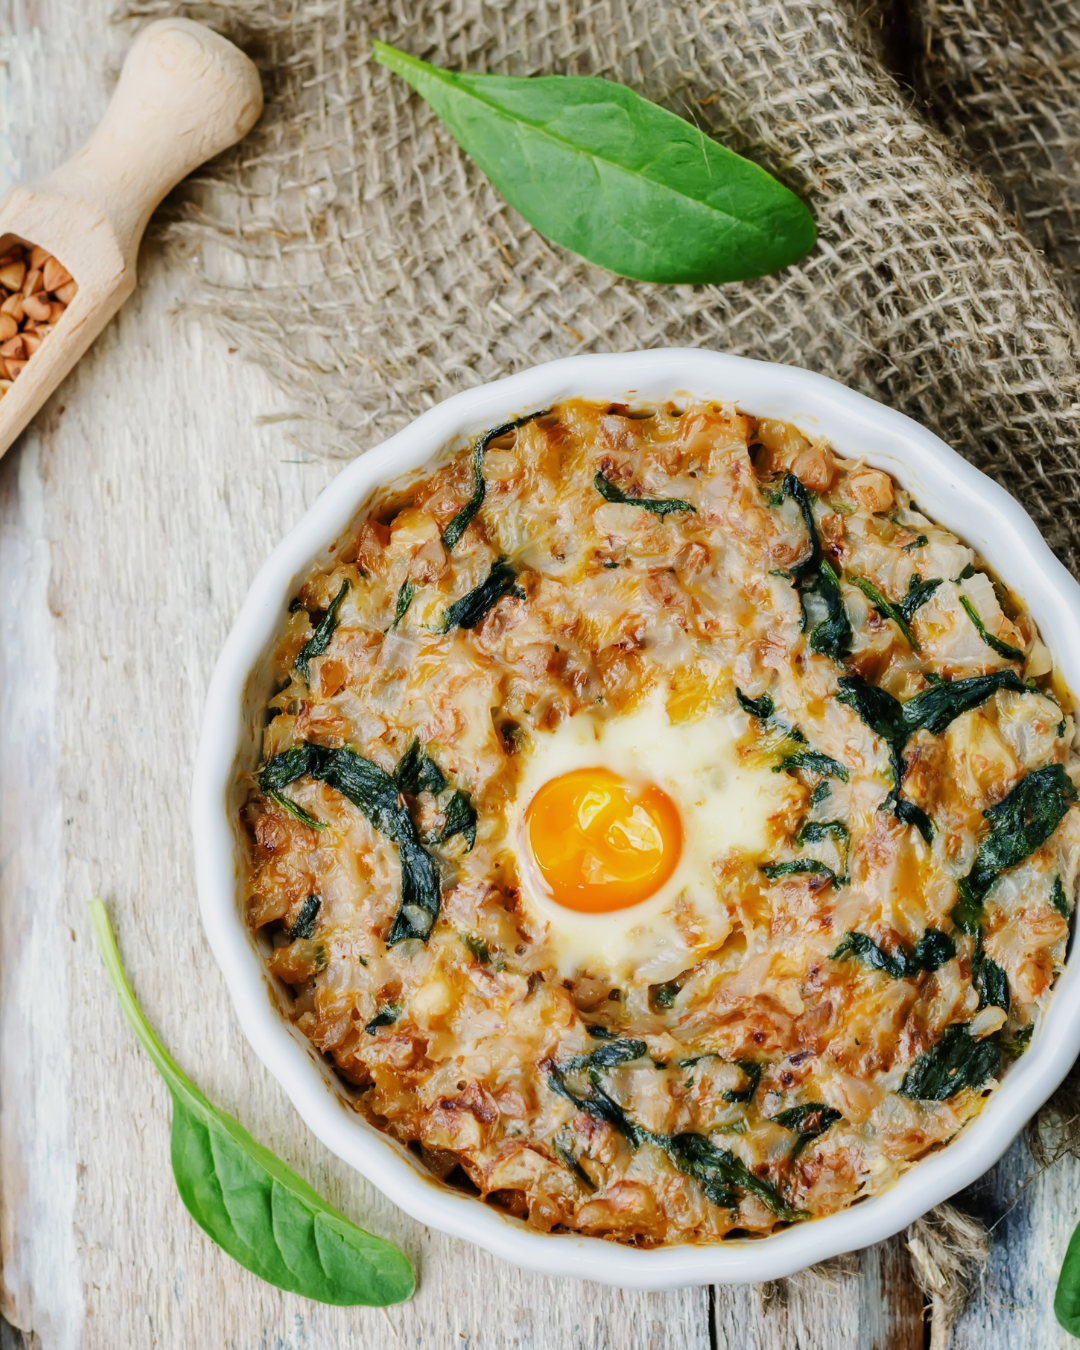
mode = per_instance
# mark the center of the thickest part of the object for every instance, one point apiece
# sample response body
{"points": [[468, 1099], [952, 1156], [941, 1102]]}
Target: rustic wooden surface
{"points": [[133, 515]]}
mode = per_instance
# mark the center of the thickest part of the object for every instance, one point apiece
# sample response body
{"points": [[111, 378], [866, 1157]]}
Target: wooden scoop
{"points": [[185, 94]]}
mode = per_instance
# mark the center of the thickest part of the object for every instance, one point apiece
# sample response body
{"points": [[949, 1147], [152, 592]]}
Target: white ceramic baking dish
{"points": [[942, 483]]}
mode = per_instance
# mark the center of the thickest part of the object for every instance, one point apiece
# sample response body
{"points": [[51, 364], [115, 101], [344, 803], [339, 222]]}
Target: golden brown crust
{"points": [[472, 1045]]}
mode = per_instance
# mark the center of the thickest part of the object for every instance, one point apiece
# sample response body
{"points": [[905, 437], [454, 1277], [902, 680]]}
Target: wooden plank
{"points": [[1031, 1214], [132, 518]]}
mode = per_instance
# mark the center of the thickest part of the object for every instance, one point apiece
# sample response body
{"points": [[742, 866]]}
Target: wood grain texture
{"points": [[184, 95], [133, 515]]}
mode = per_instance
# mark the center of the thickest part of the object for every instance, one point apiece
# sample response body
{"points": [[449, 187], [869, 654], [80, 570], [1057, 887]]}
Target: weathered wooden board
{"points": [[132, 517]]}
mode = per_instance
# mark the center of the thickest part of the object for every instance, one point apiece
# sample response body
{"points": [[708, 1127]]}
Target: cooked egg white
{"points": [[723, 805]]}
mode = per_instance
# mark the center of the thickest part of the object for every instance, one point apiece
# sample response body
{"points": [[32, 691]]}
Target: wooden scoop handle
{"points": [[185, 94]]}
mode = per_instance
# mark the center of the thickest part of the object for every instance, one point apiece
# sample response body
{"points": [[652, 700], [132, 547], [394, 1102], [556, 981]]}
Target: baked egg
{"points": [[619, 826]]}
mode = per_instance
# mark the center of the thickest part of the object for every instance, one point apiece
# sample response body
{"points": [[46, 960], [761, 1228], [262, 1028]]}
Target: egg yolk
{"points": [[600, 842]]}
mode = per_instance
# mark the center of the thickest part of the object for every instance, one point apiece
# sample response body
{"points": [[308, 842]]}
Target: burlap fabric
{"points": [[351, 249], [1003, 76]]}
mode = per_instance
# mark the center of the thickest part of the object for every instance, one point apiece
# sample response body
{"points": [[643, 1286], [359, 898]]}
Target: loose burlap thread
{"points": [[351, 249]]}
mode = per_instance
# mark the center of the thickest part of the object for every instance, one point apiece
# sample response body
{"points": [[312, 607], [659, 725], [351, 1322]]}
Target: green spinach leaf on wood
{"points": [[1067, 1294], [625, 183], [246, 1199]]}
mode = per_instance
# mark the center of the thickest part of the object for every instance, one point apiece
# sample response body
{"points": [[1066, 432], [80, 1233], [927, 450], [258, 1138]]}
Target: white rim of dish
{"points": [[947, 487]]}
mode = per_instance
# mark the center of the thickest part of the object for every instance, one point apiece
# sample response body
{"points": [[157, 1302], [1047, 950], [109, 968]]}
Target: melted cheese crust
{"points": [[461, 1045]]}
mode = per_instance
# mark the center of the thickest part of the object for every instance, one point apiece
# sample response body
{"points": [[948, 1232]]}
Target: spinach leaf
{"points": [[816, 831], [932, 950], [471, 608], [562, 1152], [816, 762], [599, 1033], [385, 1016], [895, 722], [1014, 1048], [955, 1062], [753, 1071], [417, 772], [918, 593], [596, 1104], [419, 905], [920, 541], [718, 1171], [374, 792], [304, 926], [296, 811], [282, 770], [882, 713], [460, 818], [1057, 897], [287, 767], [813, 761], [247, 1200], [820, 793], [806, 572], [808, 1122], [968, 570], [886, 608], [832, 636], [1019, 824], [664, 995], [625, 183], [797, 867], [318, 642], [939, 705], [818, 585], [870, 954], [476, 947], [909, 814], [608, 1055], [659, 506], [993, 985], [994, 643], [761, 708], [460, 522], [1067, 1294], [406, 593]]}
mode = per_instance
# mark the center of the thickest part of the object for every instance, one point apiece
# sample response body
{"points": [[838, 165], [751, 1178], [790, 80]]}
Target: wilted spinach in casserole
{"points": [[663, 823]]}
